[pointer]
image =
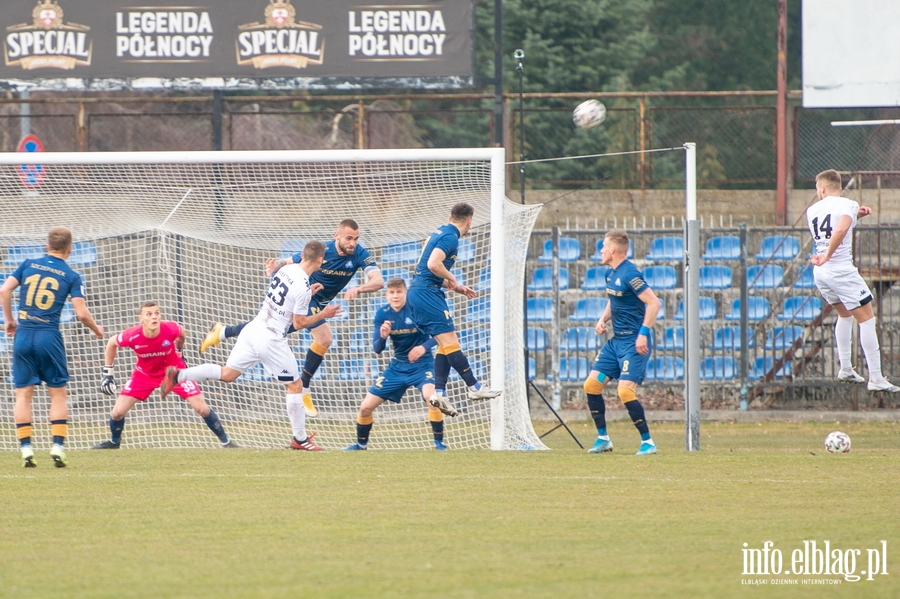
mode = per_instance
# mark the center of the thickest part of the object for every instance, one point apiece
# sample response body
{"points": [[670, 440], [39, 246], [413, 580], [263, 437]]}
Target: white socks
{"points": [[297, 415], [203, 372], [843, 336], [869, 341]]}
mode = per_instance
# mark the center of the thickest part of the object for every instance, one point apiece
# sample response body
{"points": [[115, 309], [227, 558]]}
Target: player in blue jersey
{"points": [[412, 365], [632, 308], [343, 257], [428, 303], [39, 354]]}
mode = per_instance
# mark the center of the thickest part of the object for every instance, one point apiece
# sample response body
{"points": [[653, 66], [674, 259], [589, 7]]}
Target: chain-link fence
{"points": [[788, 357], [734, 132], [872, 149]]}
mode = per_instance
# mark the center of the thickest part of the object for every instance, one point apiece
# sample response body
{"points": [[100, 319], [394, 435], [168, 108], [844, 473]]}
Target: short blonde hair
{"points": [[830, 179], [59, 239], [619, 238]]}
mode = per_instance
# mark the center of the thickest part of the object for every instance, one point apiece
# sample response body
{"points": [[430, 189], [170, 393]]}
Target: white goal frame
{"points": [[501, 376]]}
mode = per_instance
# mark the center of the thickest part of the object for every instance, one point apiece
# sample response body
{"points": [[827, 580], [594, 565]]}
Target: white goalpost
{"points": [[191, 230]]}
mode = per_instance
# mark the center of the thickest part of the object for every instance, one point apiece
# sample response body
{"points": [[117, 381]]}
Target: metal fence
{"points": [[734, 131], [788, 357]]}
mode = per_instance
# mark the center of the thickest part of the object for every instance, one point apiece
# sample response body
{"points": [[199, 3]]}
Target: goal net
{"points": [[191, 230]]}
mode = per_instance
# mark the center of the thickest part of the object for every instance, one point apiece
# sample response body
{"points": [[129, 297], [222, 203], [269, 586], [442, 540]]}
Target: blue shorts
{"points": [[429, 310], [618, 359], [314, 308], [39, 355], [400, 376]]}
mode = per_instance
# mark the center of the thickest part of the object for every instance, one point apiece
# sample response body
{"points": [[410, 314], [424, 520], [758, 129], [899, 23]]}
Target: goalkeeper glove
{"points": [[108, 384]]}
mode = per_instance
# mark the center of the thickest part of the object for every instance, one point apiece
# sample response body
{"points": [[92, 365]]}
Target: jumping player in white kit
{"points": [[263, 340], [831, 222]]}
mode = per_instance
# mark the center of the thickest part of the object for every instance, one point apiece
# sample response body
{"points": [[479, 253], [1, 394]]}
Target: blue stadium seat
{"points": [[484, 279], [573, 369], [661, 315], [569, 250], [474, 339], [595, 278], [396, 272], [597, 257], [730, 338], [84, 253], [539, 309], [478, 310], [759, 368], [465, 251], [256, 373], [542, 279], [769, 276], [459, 274], [589, 309], [352, 370], [665, 368], [666, 248], [67, 314], [661, 277], [345, 308], [805, 278], [538, 339], [672, 338], [757, 308], [292, 246], [406, 251], [800, 307], [773, 248], [785, 337], [727, 247], [532, 368], [718, 368], [708, 309], [5, 343], [580, 339], [360, 340], [17, 253], [715, 276]]}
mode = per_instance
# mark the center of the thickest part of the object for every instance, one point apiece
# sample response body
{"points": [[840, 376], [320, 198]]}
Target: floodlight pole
{"points": [[691, 304], [519, 55]]}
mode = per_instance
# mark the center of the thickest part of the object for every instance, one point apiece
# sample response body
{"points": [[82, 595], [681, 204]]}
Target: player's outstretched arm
{"points": [[374, 282], [9, 285], [85, 317], [302, 321], [600, 328]]}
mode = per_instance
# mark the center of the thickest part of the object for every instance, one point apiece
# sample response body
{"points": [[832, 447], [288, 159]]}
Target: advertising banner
{"points": [[109, 44]]}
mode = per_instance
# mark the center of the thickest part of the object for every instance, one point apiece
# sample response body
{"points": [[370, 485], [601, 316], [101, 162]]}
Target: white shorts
{"points": [[842, 285], [257, 344]]}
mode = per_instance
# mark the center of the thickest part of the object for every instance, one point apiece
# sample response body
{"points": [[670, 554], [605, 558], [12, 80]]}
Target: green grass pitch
{"points": [[246, 524]]}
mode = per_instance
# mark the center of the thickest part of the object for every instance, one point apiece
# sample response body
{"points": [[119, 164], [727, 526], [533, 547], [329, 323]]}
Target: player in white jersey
{"points": [[831, 221], [263, 340]]}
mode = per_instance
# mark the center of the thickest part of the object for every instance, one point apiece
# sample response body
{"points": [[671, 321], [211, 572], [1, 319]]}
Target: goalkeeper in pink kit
{"points": [[157, 344]]}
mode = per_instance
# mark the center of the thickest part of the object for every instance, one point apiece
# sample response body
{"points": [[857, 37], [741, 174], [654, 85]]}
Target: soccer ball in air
{"points": [[837, 442], [589, 113]]}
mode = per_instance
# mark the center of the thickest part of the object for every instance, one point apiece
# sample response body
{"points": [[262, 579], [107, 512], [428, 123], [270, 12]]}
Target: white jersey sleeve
{"points": [[288, 294], [823, 216]]}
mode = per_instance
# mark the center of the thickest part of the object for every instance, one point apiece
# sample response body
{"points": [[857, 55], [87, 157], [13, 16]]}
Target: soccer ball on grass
{"points": [[588, 114], [837, 442]]}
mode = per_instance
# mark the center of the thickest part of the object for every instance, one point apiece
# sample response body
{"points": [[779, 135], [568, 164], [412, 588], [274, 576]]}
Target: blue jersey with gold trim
{"points": [[623, 285], [337, 270], [46, 283], [446, 239], [404, 334]]}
